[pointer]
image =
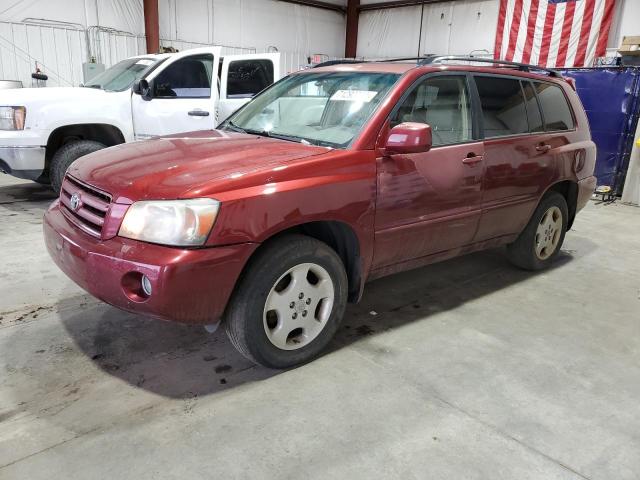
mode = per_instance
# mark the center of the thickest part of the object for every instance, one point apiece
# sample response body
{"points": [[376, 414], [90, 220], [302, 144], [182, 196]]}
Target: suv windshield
{"points": [[121, 76], [328, 108]]}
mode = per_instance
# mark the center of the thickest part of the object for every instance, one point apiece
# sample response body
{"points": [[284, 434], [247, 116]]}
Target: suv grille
{"points": [[84, 205]]}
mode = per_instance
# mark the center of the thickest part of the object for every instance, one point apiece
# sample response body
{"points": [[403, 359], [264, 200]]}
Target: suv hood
{"points": [[184, 166]]}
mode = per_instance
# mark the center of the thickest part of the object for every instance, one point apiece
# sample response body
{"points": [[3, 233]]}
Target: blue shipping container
{"points": [[611, 98]]}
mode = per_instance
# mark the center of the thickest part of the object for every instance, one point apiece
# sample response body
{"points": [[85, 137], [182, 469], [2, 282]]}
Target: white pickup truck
{"points": [[44, 130]]}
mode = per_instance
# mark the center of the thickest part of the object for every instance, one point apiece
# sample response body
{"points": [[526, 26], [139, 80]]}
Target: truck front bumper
{"points": [[22, 162]]}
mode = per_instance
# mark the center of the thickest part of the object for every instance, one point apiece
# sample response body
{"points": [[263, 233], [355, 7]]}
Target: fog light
{"points": [[146, 285]]}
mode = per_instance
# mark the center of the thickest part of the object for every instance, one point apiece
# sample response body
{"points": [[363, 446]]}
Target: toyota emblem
{"points": [[75, 201]]}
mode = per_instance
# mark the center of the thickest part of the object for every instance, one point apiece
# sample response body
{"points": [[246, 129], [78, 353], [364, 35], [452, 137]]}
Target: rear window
{"points": [[556, 111], [503, 106], [248, 77]]}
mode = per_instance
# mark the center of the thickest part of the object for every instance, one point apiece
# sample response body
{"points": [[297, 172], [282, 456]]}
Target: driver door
{"points": [[182, 98], [430, 202]]}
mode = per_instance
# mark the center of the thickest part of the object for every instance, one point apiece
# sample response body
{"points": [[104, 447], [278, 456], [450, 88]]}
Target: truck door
{"points": [[181, 97], [242, 76]]}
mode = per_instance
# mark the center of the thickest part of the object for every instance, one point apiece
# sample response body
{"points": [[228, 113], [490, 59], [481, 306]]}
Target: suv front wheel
{"points": [[290, 302], [540, 241]]}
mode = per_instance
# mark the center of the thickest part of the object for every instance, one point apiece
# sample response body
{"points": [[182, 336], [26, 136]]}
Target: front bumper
{"points": [[188, 285], [22, 162]]}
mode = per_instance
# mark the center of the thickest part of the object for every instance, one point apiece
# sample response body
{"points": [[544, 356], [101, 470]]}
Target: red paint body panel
{"points": [[406, 210], [189, 286]]}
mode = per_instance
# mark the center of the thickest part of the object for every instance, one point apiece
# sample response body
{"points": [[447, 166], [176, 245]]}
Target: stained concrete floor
{"points": [[466, 369]]}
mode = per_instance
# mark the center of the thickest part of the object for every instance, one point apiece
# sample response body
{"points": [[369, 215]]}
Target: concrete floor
{"points": [[466, 369]]}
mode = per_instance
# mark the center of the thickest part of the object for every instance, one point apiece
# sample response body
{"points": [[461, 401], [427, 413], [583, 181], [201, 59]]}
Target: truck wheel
{"points": [[66, 155], [540, 241], [289, 304]]}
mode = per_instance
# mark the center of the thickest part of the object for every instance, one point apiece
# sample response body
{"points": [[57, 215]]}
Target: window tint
{"points": [[248, 77], [557, 115], [443, 103], [503, 106], [533, 109], [189, 77]]}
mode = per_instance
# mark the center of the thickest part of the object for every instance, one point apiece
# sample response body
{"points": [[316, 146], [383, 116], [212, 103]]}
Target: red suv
{"points": [[329, 178]]}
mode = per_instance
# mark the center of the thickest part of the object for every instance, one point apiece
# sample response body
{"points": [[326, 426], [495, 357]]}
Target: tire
{"points": [[539, 243], [284, 336], [66, 155]]}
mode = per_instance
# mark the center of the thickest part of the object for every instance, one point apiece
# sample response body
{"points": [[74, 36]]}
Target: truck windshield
{"points": [[121, 76], [328, 108]]}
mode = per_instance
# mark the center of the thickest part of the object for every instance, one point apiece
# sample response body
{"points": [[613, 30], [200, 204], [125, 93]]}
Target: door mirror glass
{"points": [[409, 137]]}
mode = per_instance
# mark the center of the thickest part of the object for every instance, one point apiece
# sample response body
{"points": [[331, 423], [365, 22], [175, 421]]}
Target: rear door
{"points": [[429, 202], [242, 77], [517, 154], [184, 94]]}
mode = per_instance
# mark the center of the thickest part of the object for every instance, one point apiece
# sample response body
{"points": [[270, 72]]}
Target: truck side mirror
{"points": [[142, 88], [409, 137]]}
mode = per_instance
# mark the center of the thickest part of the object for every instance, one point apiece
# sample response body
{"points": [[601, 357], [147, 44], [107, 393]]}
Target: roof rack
{"points": [[523, 67], [439, 59]]}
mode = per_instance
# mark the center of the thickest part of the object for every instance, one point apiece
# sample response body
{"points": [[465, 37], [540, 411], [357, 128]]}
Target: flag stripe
{"points": [[566, 32], [603, 37], [553, 33], [546, 34], [497, 49], [531, 28], [515, 26], [585, 31]]}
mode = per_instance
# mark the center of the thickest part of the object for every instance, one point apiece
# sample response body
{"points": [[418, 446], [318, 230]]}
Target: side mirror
{"points": [[142, 88], [409, 138]]}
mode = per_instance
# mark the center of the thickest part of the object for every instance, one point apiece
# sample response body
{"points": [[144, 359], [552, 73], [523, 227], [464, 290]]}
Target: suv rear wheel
{"points": [[66, 155], [540, 241], [290, 303]]}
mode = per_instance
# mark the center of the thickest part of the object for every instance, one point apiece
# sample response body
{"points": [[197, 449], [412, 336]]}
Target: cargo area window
{"points": [[189, 77], [503, 106], [248, 77], [442, 103], [556, 111]]}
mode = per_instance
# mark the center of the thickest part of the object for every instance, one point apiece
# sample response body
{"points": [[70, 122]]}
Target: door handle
{"points": [[543, 147], [198, 113], [472, 159]]}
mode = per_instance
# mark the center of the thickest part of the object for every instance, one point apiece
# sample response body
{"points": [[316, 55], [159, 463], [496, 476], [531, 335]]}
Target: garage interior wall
{"points": [[456, 27], [60, 35]]}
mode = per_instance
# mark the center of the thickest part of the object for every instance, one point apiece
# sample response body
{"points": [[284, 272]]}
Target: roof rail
{"points": [[523, 67], [439, 59]]}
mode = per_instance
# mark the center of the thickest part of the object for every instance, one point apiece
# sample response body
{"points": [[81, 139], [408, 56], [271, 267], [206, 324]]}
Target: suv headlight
{"points": [[12, 118], [170, 222]]}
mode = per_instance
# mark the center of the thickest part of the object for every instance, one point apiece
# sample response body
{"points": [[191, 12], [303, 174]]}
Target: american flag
{"points": [[553, 33]]}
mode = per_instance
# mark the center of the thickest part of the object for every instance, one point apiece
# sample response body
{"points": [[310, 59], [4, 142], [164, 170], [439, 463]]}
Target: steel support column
{"points": [[152, 26], [351, 40]]}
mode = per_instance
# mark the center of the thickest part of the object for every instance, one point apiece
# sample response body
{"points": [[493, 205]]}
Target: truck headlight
{"points": [[12, 118], [170, 222]]}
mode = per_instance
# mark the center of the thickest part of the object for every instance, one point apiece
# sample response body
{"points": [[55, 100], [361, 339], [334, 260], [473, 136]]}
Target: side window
{"points": [[443, 103], [248, 77], [188, 77], [533, 108], [503, 106], [556, 111]]}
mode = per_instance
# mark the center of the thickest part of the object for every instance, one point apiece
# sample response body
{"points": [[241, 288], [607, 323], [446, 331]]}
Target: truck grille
{"points": [[84, 205]]}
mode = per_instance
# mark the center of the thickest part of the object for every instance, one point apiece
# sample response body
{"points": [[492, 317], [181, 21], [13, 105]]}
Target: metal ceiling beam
{"points": [[318, 4], [397, 4]]}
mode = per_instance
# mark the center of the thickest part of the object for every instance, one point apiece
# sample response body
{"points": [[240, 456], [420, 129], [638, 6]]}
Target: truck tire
{"points": [[289, 303], [66, 155], [540, 241]]}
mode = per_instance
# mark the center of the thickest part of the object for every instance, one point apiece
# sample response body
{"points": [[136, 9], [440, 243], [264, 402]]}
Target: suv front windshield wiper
{"points": [[234, 128]]}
